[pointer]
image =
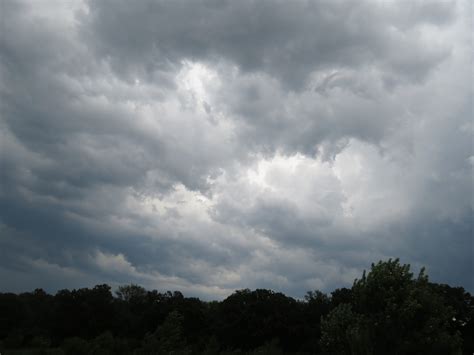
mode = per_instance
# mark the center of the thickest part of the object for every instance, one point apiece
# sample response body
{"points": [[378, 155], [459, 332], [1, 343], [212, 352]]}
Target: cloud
{"points": [[210, 146], [284, 40]]}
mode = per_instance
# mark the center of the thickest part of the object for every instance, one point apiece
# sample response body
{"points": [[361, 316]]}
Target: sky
{"points": [[207, 146]]}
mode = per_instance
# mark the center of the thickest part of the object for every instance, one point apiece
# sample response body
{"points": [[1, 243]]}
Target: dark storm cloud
{"points": [[350, 57], [286, 40], [208, 146]]}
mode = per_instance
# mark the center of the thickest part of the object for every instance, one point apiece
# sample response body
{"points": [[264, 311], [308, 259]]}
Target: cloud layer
{"points": [[208, 146]]}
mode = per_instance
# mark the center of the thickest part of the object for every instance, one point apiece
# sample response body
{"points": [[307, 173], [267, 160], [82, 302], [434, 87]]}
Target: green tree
{"points": [[393, 312], [345, 332]]}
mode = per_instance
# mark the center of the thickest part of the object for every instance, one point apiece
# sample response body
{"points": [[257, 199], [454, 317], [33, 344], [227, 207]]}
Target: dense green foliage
{"points": [[387, 311]]}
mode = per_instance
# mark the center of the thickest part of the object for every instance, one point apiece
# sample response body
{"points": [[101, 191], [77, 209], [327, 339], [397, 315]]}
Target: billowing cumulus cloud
{"points": [[209, 146]]}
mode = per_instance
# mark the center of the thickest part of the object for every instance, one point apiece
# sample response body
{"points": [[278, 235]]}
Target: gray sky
{"points": [[208, 146]]}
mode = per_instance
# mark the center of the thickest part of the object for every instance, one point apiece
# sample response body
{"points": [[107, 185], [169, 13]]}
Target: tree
{"points": [[249, 319], [168, 338], [131, 293], [393, 312], [387, 311], [345, 332], [339, 296], [317, 306], [462, 303]]}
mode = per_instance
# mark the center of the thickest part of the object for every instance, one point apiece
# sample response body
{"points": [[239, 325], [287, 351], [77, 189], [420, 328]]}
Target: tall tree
{"points": [[395, 313]]}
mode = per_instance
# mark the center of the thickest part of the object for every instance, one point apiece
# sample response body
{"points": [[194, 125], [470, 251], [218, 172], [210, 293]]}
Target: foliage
{"points": [[387, 311], [392, 313]]}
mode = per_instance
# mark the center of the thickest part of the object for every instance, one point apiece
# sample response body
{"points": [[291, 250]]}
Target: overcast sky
{"points": [[208, 146]]}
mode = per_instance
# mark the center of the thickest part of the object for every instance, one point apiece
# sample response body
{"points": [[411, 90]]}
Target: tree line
{"points": [[388, 310]]}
